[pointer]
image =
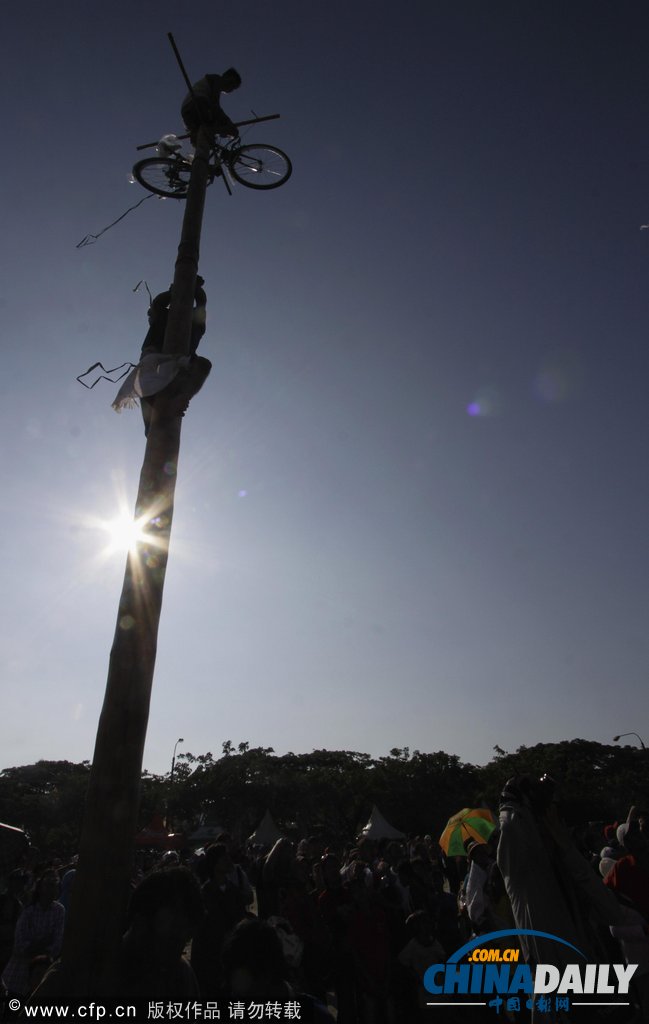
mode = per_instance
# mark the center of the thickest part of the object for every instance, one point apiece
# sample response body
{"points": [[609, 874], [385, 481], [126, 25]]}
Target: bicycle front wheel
{"points": [[259, 166], [165, 177]]}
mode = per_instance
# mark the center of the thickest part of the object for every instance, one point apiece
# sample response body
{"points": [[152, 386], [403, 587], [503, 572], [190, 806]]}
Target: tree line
{"points": [[329, 792]]}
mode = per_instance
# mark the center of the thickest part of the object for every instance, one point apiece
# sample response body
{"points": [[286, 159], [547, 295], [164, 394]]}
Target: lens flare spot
{"points": [[485, 403], [126, 622]]}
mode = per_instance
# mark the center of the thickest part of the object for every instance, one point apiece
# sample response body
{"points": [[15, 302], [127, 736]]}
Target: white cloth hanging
{"points": [[152, 374]]}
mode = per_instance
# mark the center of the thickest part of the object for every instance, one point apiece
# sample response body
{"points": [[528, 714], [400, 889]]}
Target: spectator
{"points": [[37, 939], [478, 905], [237, 876], [421, 951], [224, 908], [334, 908], [552, 888], [11, 905], [164, 912], [629, 876], [369, 945], [256, 971]]}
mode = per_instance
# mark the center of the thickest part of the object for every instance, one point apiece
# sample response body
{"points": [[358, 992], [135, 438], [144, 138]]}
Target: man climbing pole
{"points": [[203, 104], [181, 376], [158, 313]]}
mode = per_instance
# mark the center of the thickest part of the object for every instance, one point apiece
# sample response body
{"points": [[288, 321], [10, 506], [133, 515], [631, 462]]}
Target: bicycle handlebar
{"points": [[237, 124]]}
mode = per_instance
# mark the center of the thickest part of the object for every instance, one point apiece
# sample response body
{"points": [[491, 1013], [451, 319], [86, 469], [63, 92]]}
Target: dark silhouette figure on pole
{"points": [[202, 105], [181, 377], [158, 313], [190, 378]]}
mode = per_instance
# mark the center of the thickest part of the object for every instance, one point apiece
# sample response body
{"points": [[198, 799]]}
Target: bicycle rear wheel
{"points": [[165, 177], [259, 166]]}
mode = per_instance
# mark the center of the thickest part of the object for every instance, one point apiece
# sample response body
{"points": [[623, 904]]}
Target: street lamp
{"points": [[171, 781], [173, 759], [616, 738]]}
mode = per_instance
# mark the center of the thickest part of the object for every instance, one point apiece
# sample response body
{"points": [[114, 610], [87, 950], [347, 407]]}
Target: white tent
{"points": [[378, 828], [266, 833]]}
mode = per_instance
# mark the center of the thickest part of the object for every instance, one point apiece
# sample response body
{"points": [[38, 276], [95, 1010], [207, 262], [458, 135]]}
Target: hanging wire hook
{"points": [[91, 239], [105, 375], [147, 288]]}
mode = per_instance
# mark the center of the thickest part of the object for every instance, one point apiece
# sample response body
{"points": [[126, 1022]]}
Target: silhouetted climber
{"points": [[158, 314], [180, 376], [204, 106]]}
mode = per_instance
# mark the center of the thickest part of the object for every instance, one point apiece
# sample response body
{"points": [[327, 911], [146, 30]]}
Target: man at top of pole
{"points": [[202, 105]]}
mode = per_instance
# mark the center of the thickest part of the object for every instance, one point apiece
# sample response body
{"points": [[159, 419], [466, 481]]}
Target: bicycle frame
{"points": [[217, 151], [217, 162], [255, 165]]}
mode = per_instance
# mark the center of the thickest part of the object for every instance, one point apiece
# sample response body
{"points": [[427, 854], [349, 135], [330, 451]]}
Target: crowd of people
{"points": [[347, 931]]}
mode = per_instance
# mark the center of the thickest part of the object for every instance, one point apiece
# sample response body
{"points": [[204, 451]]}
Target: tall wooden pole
{"points": [[101, 887]]}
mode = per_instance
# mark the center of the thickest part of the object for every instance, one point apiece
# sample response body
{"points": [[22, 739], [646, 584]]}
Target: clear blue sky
{"points": [[412, 498]]}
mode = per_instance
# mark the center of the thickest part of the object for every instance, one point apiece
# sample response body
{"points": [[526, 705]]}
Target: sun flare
{"points": [[124, 532], [119, 531]]}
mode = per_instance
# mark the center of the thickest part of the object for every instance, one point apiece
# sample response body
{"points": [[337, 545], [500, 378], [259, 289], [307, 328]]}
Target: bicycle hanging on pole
{"points": [[257, 166]]}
